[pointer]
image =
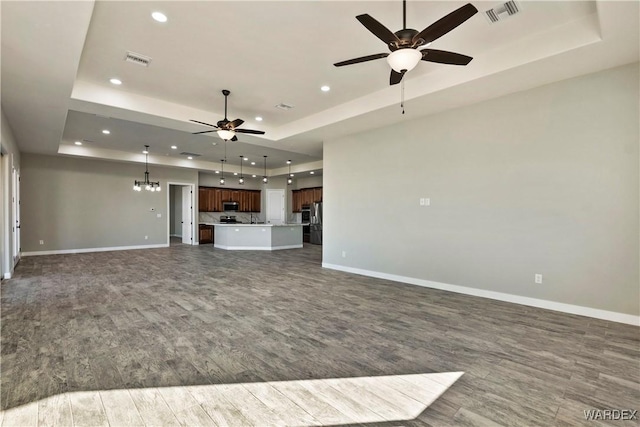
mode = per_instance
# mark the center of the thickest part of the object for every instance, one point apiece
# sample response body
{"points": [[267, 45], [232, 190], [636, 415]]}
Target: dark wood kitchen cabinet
{"points": [[255, 201], [206, 200], [305, 197], [205, 234], [210, 199]]}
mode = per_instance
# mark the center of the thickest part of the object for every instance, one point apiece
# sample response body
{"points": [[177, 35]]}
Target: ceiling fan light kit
{"points": [[226, 134], [403, 60]]}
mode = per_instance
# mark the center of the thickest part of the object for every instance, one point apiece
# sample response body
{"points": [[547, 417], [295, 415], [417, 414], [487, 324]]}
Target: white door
{"points": [[186, 215], [275, 207]]}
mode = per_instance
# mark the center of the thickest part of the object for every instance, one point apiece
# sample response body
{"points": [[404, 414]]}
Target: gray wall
{"points": [[73, 203], [306, 182], [542, 181], [213, 180]]}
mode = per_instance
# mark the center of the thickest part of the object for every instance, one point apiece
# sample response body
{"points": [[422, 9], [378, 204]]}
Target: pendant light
{"points": [[264, 177], [241, 180], [221, 171], [289, 180], [148, 185]]}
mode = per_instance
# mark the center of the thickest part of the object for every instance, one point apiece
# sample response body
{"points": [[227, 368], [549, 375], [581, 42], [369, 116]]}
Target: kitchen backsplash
{"points": [[214, 217]]}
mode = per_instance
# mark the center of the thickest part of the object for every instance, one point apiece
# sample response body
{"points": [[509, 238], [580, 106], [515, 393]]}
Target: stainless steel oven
{"points": [[306, 219]]}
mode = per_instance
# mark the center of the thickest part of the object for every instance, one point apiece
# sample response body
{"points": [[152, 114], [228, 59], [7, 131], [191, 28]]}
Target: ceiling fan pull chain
{"points": [[402, 96]]}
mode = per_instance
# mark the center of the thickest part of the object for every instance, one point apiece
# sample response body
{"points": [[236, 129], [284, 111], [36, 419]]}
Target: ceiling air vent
{"points": [[284, 106], [505, 10], [185, 153], [136, 58]]}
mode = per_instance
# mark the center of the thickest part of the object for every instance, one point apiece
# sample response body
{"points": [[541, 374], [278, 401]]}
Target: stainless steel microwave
{"points": [[230, 206]]}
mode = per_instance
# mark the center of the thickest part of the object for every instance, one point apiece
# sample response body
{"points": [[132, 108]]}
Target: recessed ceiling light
{"points": [[116, 81], [325, 88], [258, 119], [235, 173], [190, 158], [145, 152], [312, 172], [288, 162], [106, 132], [253, 163], [217, 171], [159, 16], [245, 159], [174, 147], [253, 176], [78, 143]]}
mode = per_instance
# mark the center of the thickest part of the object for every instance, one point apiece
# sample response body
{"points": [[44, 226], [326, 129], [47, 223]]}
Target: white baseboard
{"points": [[175, 235], [500, 296], [86, 250], [255, 248]]}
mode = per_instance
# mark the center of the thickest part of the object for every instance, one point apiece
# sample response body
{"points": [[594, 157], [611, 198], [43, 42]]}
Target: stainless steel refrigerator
{"points": [[316, 224]]}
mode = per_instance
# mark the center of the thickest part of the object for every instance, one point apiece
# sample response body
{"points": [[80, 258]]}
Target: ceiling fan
{"points": [[227, 130], [404, 43]]}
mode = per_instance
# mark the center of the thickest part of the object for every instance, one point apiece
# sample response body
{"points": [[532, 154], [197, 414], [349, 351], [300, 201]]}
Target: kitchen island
{"points": [[258, 237]]}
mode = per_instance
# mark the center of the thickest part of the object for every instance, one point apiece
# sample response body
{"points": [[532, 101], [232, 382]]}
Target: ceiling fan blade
{"points": [[234, 124], [205, 131], [361, 59], [234, 139], [396, 77], [203, 123], [255, 132], [445, 57], [378, 30], [446, 24]]}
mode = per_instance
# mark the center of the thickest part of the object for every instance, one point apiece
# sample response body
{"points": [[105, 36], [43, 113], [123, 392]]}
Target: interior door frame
{"points": [[15, 217], [193, 210]]}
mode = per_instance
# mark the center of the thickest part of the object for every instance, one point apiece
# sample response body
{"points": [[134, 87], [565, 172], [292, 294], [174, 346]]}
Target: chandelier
{"points": [[148, 185]]}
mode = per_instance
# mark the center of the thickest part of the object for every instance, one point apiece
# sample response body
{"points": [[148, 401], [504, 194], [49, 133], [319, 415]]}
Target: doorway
{"points": [[181, 214]]}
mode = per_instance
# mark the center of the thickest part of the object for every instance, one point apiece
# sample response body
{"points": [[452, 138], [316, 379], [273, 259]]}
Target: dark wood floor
{"points": [[188, 315]]}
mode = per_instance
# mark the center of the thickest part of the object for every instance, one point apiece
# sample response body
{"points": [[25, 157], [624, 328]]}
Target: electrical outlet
{"points": [[427, 202], [422, 201], [538, 278], [159, 215], [344, 254], [42, 242], [146, 237]]}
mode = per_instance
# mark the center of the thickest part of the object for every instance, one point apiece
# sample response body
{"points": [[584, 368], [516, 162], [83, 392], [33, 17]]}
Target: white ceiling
{"points": [[58, 57]]}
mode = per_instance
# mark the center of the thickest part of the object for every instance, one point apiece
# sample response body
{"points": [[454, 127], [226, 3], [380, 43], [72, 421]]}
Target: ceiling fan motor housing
{"points": [[406, 39]]}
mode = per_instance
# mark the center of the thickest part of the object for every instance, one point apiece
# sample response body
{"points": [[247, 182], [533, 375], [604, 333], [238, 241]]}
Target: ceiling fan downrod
{"points": [[404, 14], [226, 94]]}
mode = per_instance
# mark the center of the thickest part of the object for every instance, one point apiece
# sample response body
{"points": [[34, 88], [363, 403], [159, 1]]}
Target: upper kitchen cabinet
{"points": [[205, 201], [210, 199], [305, 197]]}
